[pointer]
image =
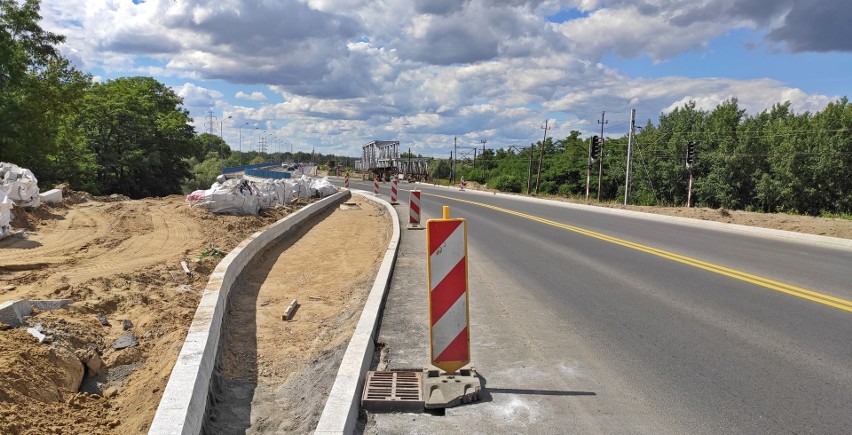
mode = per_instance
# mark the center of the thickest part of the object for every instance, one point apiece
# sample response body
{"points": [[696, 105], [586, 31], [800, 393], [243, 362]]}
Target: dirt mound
{"points": [[120, 262]]}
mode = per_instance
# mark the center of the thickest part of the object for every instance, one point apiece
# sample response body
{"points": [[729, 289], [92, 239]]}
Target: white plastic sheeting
{"points": [[5, 215], [19, 184], [238, 196]]}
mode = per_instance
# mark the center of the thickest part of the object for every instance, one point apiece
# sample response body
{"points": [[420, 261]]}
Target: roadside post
{"points": [[346, 181], [414, 210], [376, 186], [394, 190], [449, 323]]}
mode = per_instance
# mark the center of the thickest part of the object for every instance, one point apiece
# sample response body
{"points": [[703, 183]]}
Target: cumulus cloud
{"points": [[254, 96], [433, 69], [198, 97]]}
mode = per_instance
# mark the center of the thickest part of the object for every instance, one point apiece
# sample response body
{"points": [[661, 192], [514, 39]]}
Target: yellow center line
{"points": [[722, 270]]}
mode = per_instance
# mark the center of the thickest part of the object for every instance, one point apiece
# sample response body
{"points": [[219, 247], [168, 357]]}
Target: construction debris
{"points": [[291, 311], [126, 340]]}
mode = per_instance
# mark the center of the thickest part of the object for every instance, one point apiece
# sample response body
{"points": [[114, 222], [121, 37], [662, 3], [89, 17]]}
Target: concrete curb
{"points": [[181, 409], [826, 241], [341, 409]]}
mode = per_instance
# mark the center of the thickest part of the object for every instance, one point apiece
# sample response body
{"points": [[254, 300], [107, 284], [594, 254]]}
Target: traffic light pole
{"points": [[689, 192], [589, 169], [690, 159], [601, 158]]}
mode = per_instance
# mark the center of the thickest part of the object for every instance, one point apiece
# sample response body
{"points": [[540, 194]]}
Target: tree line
{"points": [[129, 135], [775, 161], [132, 136]]}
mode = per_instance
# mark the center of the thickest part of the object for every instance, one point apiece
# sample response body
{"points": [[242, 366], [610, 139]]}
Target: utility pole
{"points": [[629, 153], [529, 172], [540, 157], [482, 156], [210, 118], [453, 157], [602, 122], [452, 176]]}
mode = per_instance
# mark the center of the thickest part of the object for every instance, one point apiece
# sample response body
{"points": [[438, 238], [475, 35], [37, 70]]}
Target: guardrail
{"points": [[243, 168], [265, 173]]}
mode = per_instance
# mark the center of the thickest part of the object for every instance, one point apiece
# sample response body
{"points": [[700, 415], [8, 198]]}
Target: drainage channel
{"points": [[273, 375]]}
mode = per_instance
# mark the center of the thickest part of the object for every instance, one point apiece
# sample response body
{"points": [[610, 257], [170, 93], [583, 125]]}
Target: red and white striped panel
{"points": [[346, 181], [376, 186], [414, 207], [394, 191], [448, 293]]}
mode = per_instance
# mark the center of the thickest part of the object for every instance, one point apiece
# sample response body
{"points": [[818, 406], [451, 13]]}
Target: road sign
{"points": [[449, 326]]}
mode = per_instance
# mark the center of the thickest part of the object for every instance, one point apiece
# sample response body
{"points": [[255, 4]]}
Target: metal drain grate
{"points": [[389, 391]]}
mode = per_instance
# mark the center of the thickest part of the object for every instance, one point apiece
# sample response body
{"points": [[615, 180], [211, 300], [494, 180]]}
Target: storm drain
{"points": [[389, 391]]}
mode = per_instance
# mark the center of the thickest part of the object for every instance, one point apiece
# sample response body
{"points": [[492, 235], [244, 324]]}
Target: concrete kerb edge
{"points": [[184, 400], [340, 414], [826, 241]]}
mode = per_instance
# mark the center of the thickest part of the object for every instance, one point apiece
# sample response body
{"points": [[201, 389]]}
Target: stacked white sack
{"points": [[5, 215], [20, 185], [234, 196]]}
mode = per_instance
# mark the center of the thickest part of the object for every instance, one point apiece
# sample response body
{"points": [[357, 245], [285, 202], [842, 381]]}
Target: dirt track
{"points": [[115, 258]]}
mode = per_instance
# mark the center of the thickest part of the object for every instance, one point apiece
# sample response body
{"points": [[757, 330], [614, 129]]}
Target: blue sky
{"points": [[332, 75]]}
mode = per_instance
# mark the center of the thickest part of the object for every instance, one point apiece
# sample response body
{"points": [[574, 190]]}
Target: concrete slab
{"points": [[12, 313], [50, 304], [443, 390], [52, 196]]}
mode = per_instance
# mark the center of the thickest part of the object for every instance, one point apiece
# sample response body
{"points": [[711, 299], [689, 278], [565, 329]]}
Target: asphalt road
{"points": [[590, 322]]}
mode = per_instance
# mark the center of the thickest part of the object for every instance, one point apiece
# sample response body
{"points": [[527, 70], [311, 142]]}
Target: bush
{"points": [[505, 183], [547, 187], [477, 175], [565, 190]]}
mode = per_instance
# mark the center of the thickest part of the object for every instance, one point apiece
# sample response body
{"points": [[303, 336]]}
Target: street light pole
{"points": [[241, 142]]}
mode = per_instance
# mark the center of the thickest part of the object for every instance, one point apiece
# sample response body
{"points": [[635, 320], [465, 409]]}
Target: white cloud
{"points": [[426, 69], [254, 96]]}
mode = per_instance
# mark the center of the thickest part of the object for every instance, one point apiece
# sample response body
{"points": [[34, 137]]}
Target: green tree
{"points": [[139, 135], [439, 168], [203, 174], [39, 89], [205, 143]]}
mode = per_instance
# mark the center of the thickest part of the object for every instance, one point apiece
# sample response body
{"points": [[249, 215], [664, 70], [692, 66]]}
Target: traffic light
{"points": [[596, 148], [690, 153]]}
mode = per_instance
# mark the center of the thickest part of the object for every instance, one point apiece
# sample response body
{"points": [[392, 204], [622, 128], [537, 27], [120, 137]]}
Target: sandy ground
{"points": [[274, 375], [119, 261]]}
